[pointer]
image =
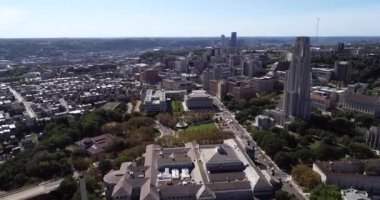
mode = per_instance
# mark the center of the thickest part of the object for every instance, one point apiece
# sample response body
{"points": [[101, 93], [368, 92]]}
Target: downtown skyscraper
{"points": [[233, 42], [297, 82]]}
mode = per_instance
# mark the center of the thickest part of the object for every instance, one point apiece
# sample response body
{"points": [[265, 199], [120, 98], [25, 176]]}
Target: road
{"points": [[130, 108], [32, 191], [246, 141], [137, 107], [164, 130], [27, 105], [63, 102]]}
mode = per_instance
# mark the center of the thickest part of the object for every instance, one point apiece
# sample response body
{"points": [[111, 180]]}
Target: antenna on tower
{"points": [[317, 33]]}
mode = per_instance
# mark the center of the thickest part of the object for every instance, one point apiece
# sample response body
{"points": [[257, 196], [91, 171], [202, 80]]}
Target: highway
{"points": [[32, 191], [245, 140]]}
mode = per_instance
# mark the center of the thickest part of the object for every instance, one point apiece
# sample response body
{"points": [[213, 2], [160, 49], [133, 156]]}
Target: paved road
{"points": [[130, 108], [164, 130], [63, 102], [32, 191], [245, 139], [137, 107], [27, 105]]}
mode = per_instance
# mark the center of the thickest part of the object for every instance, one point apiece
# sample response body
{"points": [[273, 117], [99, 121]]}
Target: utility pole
{"points": [[317, 33]]}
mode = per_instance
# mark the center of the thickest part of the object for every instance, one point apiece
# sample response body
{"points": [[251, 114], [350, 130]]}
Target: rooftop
{"points": [[352, 194], [174, 172]]}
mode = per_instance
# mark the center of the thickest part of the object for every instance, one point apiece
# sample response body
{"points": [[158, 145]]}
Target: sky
{"points": [[187, 18]]}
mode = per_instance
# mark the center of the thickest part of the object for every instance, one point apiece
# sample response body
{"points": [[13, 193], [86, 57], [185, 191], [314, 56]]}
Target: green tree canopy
{"points": [[326, 192], [305, 177]]}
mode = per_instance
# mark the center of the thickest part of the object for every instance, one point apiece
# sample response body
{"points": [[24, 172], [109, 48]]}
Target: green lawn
{"points": [[177, 106], [203, 133], [202, 127], [157, 134]]}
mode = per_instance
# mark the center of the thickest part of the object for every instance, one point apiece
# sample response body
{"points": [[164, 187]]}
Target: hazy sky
{"points": [[126, 18]]}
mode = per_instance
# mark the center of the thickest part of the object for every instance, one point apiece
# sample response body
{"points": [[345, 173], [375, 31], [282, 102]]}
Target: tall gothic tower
{"points": [[298, 79]]}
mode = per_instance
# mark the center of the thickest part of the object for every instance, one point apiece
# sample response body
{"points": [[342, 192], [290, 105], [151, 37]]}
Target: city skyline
{"points": [[170, 18]]}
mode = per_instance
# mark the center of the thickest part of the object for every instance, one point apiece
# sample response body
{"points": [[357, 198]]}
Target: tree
{"points": [[116, 145], [169, 141], [329, 152], [80, 164], [360, 151], [341, 126], [167, 120], [272, 144], [305, 177], [67, 188], [105, 166], [284, 160], [112, 128], [283, 195], [298, 126], [365, 120], [242, 116], [323, 192]]}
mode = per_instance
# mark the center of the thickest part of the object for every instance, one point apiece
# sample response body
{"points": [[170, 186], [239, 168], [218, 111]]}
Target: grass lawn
{"points": [[157, 134], [177, 106], [202, 127], [203, 133]]}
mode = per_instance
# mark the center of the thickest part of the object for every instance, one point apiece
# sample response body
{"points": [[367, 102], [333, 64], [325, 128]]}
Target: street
{"points": [[29, 192], [164, 130], [26, 104], [245, 139]]}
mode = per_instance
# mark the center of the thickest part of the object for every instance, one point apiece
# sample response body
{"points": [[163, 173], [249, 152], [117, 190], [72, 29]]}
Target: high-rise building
{"points": [[297, 81], [181, 65], [340, 47], [149, 76], [342, 71], [233, 40], [223, 41], [218, 88], [252, 66], [217, 72], [207, 76]]}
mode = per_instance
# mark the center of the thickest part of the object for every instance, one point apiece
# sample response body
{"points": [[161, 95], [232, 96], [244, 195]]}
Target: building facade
{"points": [[297, 85], [342, 71], [352, 173], [155, 101], [149, 76], [362, 103], [373, 137], [207, 76], [233, 41], [199, 99]]}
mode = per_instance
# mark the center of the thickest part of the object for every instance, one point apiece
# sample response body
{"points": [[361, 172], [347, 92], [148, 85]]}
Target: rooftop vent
{"points": [[221, 150]]}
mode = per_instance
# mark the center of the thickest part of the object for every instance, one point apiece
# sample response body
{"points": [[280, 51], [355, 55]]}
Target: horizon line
{"points": [[137, 37]]}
